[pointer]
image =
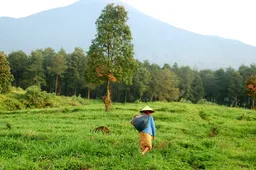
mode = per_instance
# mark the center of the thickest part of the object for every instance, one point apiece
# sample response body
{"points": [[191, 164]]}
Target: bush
{"points": [[13, 104], [182, 100], [8, 103], [35, 98], [204, 101], [78, 99]]}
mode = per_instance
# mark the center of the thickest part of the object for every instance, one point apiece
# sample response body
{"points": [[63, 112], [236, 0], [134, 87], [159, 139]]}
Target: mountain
{"points": [[160, 43]]}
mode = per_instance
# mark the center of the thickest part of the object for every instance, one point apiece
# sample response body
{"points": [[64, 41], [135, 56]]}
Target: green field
{"points": [[188, 137]]}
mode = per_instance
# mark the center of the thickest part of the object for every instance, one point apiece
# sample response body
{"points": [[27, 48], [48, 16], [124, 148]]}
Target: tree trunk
{"points": [[56, 84], [252, 103], [59, 90], [236, 102], [107, 99], [75, 92], [125, 96], [88, 96], [17, 80]]}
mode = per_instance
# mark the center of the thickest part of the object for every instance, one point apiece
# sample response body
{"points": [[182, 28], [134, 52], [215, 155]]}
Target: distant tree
{"points": [[167, 66], [251, 88], [57, 67], [186, 77], [75, 72], [34, 74], [48, 55], [197, 88], [221, 86], [141, 80], [5, 75], [246, 72], [175, 68], [168, 85], [110, 55], [154, 83], [91, 81], [209, 83], [18, 63], [234, 86]]}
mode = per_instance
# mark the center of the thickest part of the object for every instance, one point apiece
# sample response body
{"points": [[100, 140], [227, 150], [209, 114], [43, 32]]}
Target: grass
{"points": [[188, 137]]}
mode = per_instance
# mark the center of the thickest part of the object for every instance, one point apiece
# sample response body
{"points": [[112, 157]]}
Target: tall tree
{"points": [[57, 67], [5, 75], [221, 87], [235, 86], [197, 88], [186, 77], [168, 83], [111, 52], [141, 80], [75, 72], [251, 88], [34, 74], [91, 81], [18, 63], [209, 83], [155, 81], [48, 55]]}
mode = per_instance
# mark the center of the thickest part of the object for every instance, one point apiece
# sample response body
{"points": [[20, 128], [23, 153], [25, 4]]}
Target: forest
{"points": [[66, 74]]}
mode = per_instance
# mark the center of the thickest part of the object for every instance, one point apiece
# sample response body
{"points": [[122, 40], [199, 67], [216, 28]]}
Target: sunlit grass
{"points": [[188, 137]]}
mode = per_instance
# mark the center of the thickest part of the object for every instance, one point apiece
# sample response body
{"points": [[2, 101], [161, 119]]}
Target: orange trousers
{"points": [[145, 140]]}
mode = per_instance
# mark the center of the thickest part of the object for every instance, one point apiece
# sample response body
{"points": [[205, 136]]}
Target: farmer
{"points": [[148, 133]]}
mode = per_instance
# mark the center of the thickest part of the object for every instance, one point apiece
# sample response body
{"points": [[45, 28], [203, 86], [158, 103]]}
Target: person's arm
{"points": [[153, 127]]}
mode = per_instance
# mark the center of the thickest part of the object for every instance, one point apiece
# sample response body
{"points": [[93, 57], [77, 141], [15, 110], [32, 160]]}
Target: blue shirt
{"points": [[151, 128]]}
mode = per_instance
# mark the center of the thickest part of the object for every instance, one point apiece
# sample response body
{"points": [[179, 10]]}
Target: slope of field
{"points": [[188, 137]]}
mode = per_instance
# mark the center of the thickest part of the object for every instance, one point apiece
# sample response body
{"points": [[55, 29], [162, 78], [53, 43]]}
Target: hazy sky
{"points": [[226, 18]]}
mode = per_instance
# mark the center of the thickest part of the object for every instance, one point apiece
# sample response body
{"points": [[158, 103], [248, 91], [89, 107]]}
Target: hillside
{"points": [[158, 42], [188, 137]]}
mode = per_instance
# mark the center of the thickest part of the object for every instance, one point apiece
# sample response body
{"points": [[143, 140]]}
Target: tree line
{"points": [[67, 74]]}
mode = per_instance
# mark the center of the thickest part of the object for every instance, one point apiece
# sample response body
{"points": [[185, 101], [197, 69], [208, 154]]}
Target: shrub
{"points": [[182, 100], [204, 101], [8, 103], [13, 104], [35, 98]]}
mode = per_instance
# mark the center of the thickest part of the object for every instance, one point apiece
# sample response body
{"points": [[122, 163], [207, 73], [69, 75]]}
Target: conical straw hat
{"points": [[147, 108]]}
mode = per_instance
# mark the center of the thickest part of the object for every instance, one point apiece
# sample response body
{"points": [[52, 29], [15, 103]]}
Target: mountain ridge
{"points": [[154, 40]]}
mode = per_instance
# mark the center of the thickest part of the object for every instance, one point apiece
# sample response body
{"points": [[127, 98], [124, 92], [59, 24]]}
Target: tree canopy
{"points": [[110, 55], [251, 88], [5, 74]]}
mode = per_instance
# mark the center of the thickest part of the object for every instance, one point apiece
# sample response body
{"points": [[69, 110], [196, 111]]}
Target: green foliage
{"points": [[197, 89], [186, 77], [18, 63], [235, 86], [112, 49], [110, 57], [141, 80], [34, 74], [75, 73], [182, 100], [10, 103], [204, 101], [35, 98], [5, 75], [251, 88], [57, 67], [188, 137]]}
